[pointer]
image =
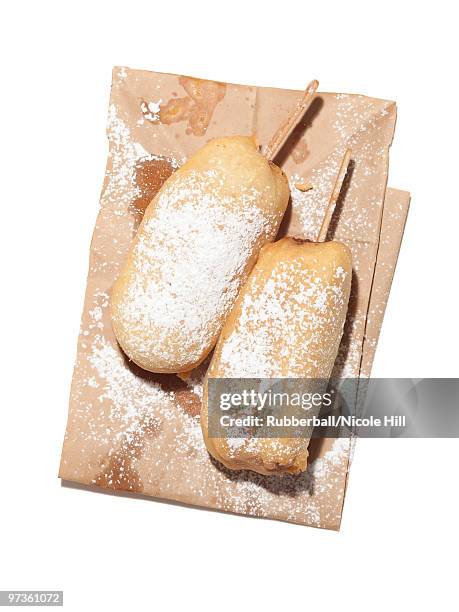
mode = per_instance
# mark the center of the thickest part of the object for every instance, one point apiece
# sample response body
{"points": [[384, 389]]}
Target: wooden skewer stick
{"points": [[334, 196], [279, 138]]}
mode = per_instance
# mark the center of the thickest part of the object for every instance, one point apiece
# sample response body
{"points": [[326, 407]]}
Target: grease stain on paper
{"points": [[196, 108], [118, 471], [300, 152], [149, 177]]}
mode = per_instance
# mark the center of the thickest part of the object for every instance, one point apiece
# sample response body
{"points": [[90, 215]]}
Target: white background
{"points": [[398, 544]]}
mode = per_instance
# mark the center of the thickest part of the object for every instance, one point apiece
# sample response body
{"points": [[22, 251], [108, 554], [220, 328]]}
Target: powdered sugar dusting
{"points": [[120, 189], [308, 205], [192, 238], [261, 344]]}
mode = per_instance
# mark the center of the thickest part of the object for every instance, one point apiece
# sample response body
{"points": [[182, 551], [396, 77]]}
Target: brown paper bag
{"points": [[130, 430]]}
